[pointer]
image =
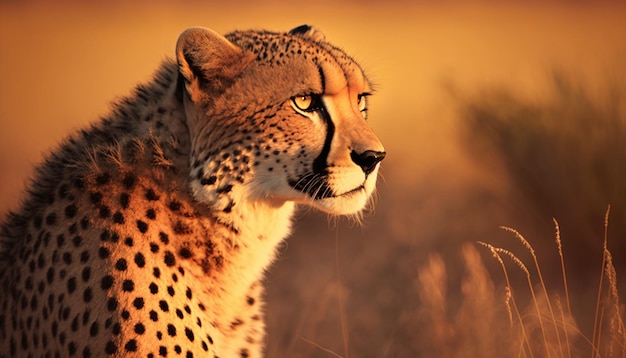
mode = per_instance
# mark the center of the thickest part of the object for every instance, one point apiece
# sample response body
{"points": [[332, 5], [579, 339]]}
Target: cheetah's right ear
{"points": [[207, 61]]}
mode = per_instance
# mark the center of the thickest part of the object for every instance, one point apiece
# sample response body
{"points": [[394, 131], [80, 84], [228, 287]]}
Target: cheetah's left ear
{"points": [[207, 61], [309, 32]]}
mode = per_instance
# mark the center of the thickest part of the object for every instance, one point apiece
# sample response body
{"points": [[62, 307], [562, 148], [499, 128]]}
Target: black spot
{"points": [[93, 330], [164, 238], [104, 212], [51, 219], [107, 282], [156, 272], [177, 349], [110, 348], [50, 275], [188, 293], [125, 315], [87, 352], [118, 217], [170, 290], [103, 252], [209, 181], [117, 328], [164, 306], [129, 241], [250, 301], [154, 248], [175, 205], [244, 353], [189, 334], [84, 256], [131, 346], [108, 236], [84, 223], [95, 197], [224, 189], [138, 303], [112, 304], [229, 207], [41, 261], [140, 328], [86, 273], [124, 200], [77, 240], [179, 313], [154, 316], [154, 289], [87, 295], [70, 211], [142, 226], [171, 330], [151, 214], [140, 260], [151, 195], [189, 355], [71, 347], [67, 258], [121, 265], [162, 351], [185, 253], [128, 285], [60, 240], [71, 285], [103, 179], [170, 260], [129, 181]]}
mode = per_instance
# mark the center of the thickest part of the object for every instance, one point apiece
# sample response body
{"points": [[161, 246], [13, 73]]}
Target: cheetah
{"points": [[148, 234]]}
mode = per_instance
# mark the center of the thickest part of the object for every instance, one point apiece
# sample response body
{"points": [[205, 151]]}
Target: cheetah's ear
{"points": [[207, 61], [309, 32]]}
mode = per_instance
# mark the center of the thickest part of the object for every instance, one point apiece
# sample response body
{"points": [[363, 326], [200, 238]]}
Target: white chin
{"points": [[346, 204]]}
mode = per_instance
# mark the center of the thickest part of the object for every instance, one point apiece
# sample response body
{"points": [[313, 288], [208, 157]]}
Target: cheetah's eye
{"points": [[306, 103], [303, 102], [362, 100]]}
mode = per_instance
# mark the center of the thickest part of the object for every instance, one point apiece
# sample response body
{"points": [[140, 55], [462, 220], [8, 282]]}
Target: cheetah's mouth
{"points": [[316, 186]]}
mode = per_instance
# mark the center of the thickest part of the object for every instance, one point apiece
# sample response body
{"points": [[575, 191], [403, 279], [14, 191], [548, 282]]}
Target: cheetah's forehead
{"points": [[337, 69]]}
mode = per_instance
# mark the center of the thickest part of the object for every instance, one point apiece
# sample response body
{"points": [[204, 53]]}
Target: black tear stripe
{"points": [[321, 162]]}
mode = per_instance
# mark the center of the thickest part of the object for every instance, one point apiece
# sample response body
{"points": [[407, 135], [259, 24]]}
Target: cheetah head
{"points": [[277, 117]]}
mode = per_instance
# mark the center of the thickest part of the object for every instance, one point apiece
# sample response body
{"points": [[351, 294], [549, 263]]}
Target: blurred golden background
{"points": [[492, 113]]}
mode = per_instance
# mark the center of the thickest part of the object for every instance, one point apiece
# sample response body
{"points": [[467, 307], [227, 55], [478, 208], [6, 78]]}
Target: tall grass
{"points": [[559, 334]]}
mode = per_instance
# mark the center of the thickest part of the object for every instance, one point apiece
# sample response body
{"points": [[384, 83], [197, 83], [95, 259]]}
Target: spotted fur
{"points": [[148, 234]]}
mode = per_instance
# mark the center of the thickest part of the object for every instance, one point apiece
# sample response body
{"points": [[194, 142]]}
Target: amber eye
{"points": [[307, 103], [303, 103], [362, 98]]}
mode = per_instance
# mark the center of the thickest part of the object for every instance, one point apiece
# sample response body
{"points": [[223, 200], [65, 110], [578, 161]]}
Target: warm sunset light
{"points": [[504, 125]]}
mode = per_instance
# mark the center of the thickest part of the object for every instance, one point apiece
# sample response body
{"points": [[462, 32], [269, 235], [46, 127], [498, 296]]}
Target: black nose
{"points": [[367, 160]]}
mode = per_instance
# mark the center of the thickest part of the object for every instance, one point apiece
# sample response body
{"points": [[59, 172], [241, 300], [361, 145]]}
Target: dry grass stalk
{"points": [[618, 332], [544, 288], [524, 339], [599, 314]]}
